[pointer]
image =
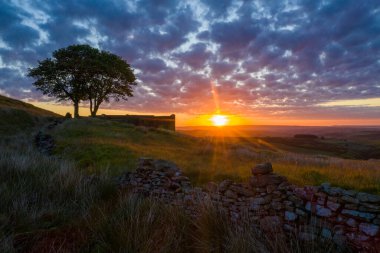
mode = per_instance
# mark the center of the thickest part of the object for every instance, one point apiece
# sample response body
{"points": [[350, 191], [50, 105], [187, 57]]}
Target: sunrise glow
{"points": [[219, 120], [226, 57]]}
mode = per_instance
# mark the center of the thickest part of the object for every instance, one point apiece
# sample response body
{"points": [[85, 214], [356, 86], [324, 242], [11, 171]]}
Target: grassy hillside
{"points": [[48, 205], [18, 116], [98, 145], [56, 204]]}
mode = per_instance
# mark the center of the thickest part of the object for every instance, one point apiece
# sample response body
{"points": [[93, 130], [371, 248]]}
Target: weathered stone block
{"points": [[294, 199], [261, 200], [223, 186], [365, 197], [366, 207], [290, 216], [325, 186], [283, 186], [363, 215], [242, 190], [333, 205], [340, 219], [264, 180], [351, 206], [350, 193], [350, 199], [308, 206], [369, 229], [321, 201], [322, 211], [300, 212], [271, 188], [262, 169], [351, 222], [326, 233], [335, 191], [333, 199]]}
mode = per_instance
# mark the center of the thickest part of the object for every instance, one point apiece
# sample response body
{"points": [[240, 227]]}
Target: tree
{"points": [[65, 75], [112, 77], [80, 72]]}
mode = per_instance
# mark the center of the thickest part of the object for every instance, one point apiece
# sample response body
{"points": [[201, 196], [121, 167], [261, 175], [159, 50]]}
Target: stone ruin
{"points": [[346, 217], [152, 121]]}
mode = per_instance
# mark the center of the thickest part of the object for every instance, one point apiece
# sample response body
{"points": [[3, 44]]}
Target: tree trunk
{"points": [[96, 108], [76, 109], [92, 109]]}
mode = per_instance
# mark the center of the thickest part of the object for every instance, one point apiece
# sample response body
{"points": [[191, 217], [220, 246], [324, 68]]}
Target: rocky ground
{"points": [[45, 142], [268, 200]]}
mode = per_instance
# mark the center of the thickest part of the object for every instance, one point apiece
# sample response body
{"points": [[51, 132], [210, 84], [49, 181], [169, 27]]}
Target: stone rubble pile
{"points": [[163, 180], [44, 143], [268, 200]]}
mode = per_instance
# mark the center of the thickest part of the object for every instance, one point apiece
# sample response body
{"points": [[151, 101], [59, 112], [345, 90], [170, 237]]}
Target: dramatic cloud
{"points": [[278, 58]]}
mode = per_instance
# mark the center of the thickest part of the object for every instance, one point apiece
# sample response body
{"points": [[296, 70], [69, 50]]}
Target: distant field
{"points": [[98, 145], [351, 142]]}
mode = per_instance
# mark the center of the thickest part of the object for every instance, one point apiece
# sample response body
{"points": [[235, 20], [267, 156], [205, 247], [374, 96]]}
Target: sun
{"points": [[219, 120]]}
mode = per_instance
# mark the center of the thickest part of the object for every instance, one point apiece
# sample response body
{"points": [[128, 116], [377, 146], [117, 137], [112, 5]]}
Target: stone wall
{"points": [[347, 217], [164, 122]]}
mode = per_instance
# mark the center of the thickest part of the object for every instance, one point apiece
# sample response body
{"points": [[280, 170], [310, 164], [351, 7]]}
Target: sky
{"points": [[303, 62]]}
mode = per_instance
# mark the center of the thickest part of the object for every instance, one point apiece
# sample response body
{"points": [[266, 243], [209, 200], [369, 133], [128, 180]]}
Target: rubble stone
{"points": [[268, 200], [369, 229], [262, 169]]}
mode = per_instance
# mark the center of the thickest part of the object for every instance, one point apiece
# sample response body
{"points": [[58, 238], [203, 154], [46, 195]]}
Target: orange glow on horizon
{"points": [[219, 120], [189, 119]]}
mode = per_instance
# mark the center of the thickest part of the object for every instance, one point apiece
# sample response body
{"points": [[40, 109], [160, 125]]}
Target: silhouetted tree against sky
{"points": [[65, 75], [79, 73], [112, 77]]}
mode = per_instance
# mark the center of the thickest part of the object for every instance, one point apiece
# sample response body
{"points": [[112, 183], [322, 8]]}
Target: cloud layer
{"points": [[269, 57]]}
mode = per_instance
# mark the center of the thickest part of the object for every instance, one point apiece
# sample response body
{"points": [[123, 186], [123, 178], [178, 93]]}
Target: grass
{"points": [[99, 145], [17, 116], [48, 205], [10, 103], [40, 194]]}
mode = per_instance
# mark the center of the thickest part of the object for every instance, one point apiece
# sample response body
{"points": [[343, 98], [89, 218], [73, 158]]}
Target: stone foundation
{"points": [[345, 216]]}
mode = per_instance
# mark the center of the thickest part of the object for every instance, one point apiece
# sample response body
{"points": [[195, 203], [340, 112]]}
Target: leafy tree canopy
{"points": [[80, 73]]}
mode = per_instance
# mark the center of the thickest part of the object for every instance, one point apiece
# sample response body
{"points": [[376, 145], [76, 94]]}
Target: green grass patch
{"points": [[98, 145]]}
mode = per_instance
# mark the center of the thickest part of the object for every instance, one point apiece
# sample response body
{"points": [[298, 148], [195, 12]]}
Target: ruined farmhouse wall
{"points": [[164, 122], [347, 217]]}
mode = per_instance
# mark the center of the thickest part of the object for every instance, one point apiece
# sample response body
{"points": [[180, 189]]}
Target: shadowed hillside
{"points": [[18, 116]]}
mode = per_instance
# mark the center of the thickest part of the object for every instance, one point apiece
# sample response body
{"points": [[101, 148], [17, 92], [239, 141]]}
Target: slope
{"points": [[17, 116]]}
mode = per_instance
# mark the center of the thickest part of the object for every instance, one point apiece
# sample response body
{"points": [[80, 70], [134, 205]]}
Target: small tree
{"points": [[80, 72], [65, 75], [112, 77]]}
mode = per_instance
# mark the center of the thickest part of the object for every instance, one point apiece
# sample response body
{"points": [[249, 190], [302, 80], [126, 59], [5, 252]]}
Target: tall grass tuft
{"points": [[141, 225], [40, 194]]}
